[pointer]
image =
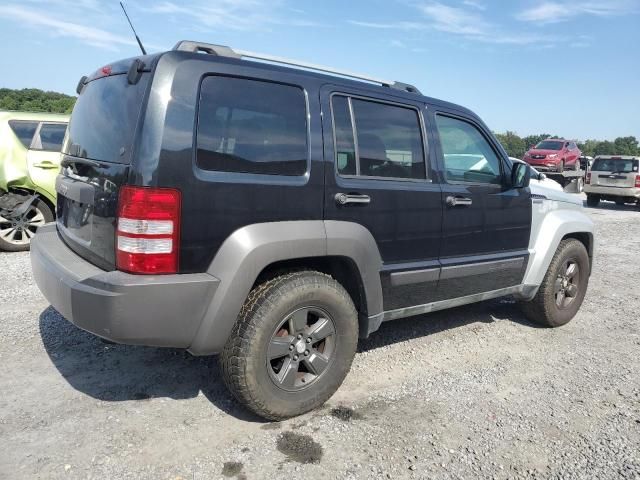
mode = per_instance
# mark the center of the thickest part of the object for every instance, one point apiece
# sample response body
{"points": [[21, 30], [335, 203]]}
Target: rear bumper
{"points": [[157, 310], [612, 191]]}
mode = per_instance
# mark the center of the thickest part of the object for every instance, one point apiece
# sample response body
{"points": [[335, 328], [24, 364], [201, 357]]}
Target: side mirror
{"points": [[520, 175]]}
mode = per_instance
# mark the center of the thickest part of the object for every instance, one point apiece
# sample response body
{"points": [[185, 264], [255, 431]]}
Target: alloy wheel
{"points": [[301, 348], [20, 231], [567, 284]]}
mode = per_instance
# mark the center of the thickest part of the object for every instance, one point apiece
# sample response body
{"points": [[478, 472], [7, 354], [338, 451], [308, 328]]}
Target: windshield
{"points": [[104, 119], [549, 145], [615, 165]]}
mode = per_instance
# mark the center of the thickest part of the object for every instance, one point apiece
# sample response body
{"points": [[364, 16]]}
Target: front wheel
{"points": [[16, 233], [561, 167], [292, 345], [563, 288]]}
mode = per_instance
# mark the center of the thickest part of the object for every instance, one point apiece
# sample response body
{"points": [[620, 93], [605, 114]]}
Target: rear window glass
{"points": [[50, 137], [548, 145], [620, 165], [250, 126], [104, 119], [23, 130]]}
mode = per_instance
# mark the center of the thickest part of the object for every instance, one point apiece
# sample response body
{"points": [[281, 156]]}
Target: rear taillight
{"points": [[148, 233], [637, 181], [588, 178]]}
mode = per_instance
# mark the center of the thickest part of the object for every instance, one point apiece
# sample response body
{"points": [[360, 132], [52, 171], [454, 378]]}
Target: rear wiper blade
{"points": [[85, 161], [619, 172]]}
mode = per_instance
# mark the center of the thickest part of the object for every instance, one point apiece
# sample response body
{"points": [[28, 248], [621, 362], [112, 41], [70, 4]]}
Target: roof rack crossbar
{"points": [[223, 51]]}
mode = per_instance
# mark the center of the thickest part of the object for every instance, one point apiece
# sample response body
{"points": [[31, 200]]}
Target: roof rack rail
{"points": [[223, 51]]}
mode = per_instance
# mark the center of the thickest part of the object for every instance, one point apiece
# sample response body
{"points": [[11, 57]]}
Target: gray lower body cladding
{"points": [[160, 310]]}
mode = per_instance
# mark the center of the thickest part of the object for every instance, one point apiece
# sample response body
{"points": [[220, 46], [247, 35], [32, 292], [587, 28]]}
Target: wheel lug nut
{"points": [[306, 352], [290, 347], [295, 357], [299, 336], [308, 339]]}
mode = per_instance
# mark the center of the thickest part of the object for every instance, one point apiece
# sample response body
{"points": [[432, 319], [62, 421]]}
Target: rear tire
{"points": [[576, 166], [292, 345], [563, 288], [561, 167], [620, 202], [592, 200], [18, 239]]}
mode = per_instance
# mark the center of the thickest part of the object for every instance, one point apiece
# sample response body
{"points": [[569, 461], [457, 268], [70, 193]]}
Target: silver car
{"points": [[615, 178]]}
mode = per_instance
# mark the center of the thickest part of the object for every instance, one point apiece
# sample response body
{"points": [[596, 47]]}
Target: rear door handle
{"points": [[354, 198], [46, 165], [458, 201]]}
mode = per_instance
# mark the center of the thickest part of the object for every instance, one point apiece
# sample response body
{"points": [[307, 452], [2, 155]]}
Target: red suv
{"points": [[554, 155]]}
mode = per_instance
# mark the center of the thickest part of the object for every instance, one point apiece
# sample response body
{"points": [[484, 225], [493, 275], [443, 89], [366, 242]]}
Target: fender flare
{"points": [[250, 249], [548, 234]]}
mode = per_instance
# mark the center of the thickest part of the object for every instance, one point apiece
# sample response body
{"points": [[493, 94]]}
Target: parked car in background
{"points": [[30, 145], [554, 155], [615, 178], [273, 215]]}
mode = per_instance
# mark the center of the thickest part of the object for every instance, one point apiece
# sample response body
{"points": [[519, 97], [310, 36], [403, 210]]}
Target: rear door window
{"points": [[387, 142], [24, 130], [251, 126], [50, 137]]}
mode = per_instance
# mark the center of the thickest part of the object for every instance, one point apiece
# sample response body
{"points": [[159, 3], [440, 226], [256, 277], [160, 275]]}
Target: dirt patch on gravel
{"points": [[299, 448]]}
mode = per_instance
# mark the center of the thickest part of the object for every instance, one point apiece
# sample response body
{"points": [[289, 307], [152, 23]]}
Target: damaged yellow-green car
{"points": [[30, 145]]}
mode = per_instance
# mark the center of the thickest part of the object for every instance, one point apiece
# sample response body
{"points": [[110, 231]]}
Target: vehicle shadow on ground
{"points": [[115, 373], [604, 205]]}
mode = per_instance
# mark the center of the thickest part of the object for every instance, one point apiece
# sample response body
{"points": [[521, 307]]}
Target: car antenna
{"points": [[144, 52]]}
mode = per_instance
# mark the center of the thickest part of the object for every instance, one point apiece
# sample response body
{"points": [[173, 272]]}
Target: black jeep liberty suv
{"points": [[222, 202]]}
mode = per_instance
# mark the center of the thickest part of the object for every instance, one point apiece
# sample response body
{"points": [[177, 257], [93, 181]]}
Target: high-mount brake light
{"points": [[148, 233], [105, 71]]}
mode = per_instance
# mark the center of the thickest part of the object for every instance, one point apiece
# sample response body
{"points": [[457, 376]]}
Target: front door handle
{"points": [[458, 201], [355, 198]]}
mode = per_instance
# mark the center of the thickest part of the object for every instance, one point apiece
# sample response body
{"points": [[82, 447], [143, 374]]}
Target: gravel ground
{"points": [[472, 392]]}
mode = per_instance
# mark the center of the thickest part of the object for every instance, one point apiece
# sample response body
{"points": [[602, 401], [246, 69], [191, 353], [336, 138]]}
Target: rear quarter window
{"points": [[251, 126]]}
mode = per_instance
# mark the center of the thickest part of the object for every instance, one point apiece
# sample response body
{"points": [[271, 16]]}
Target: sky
{"points": [[561, 67]]}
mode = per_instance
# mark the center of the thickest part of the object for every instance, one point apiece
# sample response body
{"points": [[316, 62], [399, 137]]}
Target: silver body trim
{"points": [[446, 304]]}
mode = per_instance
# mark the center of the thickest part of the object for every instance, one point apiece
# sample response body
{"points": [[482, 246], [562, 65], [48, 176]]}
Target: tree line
{"points": [[516, 145], [34, 100]]}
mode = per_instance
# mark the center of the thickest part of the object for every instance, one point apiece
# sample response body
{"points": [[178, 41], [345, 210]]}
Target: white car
{"points": [[541, 178]]}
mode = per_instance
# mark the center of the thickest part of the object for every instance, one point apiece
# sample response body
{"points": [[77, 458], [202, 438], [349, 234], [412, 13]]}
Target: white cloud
{"points": [[556, 11], [406, 26], [468, 23], [475, 4], [453, 19], [240, 15], [90, 35]]}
